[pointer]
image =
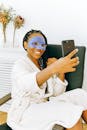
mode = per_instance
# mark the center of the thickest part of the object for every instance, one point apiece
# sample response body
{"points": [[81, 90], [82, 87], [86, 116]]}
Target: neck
{"points": [[35, 61]]}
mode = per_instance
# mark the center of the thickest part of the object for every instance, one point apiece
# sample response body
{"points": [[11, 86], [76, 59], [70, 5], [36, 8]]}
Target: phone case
{"points": [[67, 47]]}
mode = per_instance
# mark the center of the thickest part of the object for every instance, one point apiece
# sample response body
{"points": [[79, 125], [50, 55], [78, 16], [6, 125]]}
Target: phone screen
{"points": [[67, 47]]}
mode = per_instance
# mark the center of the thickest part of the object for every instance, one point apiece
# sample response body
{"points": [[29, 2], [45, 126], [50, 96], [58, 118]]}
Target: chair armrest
{"points": [[5, 98]]}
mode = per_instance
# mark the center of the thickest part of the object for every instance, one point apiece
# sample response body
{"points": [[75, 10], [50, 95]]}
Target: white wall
{"points": [[58, 19]]}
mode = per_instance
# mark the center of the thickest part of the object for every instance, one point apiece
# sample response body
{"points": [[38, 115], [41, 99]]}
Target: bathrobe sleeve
{"points": [[59, 86], [24, 79]]}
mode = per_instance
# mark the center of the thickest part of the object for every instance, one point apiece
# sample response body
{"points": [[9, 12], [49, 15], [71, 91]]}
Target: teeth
{"points": [[37, 52]]}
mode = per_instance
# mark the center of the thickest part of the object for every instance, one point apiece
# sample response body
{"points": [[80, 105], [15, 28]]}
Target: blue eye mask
{"points": [[37, 42]]}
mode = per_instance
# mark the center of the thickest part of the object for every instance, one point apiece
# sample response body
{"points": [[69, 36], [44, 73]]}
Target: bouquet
{"points": [[18, 23], [5, 17]]}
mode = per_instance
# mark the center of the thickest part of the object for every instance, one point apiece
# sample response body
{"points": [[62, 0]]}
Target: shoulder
{"points": [[22, 63], [23, 60]]}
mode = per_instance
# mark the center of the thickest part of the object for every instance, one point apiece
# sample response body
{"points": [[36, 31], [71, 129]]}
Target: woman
{"points": [[38, 93]]}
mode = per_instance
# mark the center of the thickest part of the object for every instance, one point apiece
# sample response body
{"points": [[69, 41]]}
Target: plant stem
{"points": [[4, 33], [14, 36]]}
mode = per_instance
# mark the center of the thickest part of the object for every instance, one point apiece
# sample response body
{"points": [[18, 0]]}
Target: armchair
{"points": [[75, 79]]}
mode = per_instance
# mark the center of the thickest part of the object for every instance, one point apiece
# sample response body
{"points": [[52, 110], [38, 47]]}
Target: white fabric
{"points": [[30, 109]]}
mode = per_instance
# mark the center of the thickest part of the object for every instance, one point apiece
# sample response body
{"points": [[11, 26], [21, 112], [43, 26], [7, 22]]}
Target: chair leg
{"points": [[58, 127], [5, 127]]}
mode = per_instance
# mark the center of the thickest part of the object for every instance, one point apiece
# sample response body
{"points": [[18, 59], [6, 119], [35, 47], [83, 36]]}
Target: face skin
{"points": [[33, 53]]}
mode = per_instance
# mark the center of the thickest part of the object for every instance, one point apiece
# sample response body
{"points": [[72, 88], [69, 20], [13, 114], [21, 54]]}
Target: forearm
{"points": [[44, 75], [61, 76], [62, 66]]}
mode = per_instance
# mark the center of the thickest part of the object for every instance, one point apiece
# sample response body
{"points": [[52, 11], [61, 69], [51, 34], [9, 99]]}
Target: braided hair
{"points": [[26, 37], [42, 60]]}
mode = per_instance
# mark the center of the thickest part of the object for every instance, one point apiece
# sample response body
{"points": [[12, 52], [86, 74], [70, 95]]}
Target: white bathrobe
{"points": [[30, 109]]}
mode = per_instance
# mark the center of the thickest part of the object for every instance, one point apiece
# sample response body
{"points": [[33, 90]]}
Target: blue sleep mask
{"points": [[37, 42]]}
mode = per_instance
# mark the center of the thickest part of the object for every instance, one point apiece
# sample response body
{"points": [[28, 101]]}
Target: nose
{"points": [[40, 47]]}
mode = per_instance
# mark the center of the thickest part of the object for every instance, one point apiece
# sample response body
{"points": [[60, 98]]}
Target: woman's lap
{"points": [[64, 110], [76, 97], [63, 113]]}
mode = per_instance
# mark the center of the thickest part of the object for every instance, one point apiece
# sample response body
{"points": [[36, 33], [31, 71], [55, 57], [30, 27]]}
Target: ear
{"points": [[25, 45]]}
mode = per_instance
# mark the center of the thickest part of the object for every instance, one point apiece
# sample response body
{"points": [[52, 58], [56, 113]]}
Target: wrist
{"points": [[61, 76], [51, 69]]}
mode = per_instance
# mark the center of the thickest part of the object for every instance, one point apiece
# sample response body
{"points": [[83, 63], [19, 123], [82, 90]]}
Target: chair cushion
{"points": [[75, 79], [5, 127]]}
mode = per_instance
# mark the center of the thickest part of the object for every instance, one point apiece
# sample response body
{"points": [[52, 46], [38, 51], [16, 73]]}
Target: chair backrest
{"points": [[74, 79], [5, 127]]}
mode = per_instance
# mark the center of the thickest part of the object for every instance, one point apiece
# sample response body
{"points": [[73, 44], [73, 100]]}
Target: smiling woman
{"points": [[35, 43], [38, 91]]}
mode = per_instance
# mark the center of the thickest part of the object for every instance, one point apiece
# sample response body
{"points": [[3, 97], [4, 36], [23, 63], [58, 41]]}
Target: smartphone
{"points": [[67, 47]]}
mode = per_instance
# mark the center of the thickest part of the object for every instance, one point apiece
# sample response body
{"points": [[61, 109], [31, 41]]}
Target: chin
{"points": [[37, 57]]}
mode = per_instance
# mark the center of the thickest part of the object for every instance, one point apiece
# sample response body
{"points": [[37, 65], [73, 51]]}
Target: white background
{"points": [[57, 19]]}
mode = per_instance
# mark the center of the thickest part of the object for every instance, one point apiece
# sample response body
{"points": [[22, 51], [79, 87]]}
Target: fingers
{"points": [[51, 60], [71, 54], [76, 59], [75, 64], [73, 70]]}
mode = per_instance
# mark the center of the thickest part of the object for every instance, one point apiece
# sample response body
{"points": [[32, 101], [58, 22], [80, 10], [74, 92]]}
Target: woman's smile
{"points": [[37, 52]]}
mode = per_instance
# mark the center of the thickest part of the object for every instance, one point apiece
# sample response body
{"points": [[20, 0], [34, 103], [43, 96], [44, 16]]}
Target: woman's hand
{"points": [[51, 60], [66, 64], [60, 66]]}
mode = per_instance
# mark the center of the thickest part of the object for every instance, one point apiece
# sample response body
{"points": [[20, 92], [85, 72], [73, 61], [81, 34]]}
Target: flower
{"points": [[5, 17], [18, 23]]}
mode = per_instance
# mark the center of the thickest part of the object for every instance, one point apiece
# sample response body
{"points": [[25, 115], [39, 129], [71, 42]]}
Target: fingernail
{"points": [[77, 58], [77, 50], [78, 62]]}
